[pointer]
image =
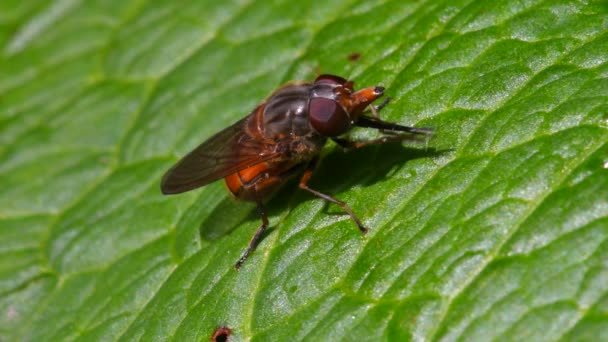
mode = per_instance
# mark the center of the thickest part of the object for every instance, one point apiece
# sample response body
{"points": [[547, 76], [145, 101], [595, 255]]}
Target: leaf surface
{"points": [[497, 230]]}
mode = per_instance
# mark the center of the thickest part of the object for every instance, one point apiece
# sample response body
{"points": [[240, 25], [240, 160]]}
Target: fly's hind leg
{"points": [[304, 185], [256, 237], [264, 180]]}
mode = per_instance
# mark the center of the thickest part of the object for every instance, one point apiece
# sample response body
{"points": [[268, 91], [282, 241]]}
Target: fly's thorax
{"points": [[286, 112]]}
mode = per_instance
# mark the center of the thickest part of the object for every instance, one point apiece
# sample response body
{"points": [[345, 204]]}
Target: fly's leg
{"points": [[393, 133], [261, 180], [349, 144], [371, 122], [256, 238], [303, 185], [376, 110], [383, 104]]}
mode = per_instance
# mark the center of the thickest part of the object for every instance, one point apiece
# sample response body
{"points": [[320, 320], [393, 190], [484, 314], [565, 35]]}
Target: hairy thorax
{"points": [[285, 120]]}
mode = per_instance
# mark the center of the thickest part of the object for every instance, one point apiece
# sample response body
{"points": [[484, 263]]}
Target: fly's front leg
{"points": [[371, 122], [349, 144], [393, 133], [304, 185]]}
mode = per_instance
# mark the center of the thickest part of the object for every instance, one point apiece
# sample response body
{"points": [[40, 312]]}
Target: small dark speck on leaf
{"points": [[353, 57], [221, 334]]}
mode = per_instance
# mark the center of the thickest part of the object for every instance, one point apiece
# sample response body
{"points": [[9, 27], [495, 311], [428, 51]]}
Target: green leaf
{"points": [[497, 230]]}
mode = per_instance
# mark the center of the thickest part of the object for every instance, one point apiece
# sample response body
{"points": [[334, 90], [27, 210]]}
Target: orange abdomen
{"points": [[253, 182]]}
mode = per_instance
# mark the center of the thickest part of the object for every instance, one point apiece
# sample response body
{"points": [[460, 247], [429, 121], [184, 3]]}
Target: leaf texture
{"points": [[497, 231]]}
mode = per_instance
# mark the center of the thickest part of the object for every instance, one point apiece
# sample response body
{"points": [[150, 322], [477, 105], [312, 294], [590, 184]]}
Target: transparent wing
{"points": [[231, 150]]}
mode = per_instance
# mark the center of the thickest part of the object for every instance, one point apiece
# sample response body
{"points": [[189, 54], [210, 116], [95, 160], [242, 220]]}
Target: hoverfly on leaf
{"points": [[282, 138]]}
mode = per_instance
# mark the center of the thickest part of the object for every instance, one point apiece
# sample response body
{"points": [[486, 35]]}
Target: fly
{"points": [[283, 138]]}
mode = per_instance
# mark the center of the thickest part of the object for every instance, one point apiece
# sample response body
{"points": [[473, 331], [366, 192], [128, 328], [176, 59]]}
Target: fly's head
{"points": [[335, 106]]}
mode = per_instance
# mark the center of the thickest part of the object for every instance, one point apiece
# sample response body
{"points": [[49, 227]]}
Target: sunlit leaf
{"points": [[498, 229]]}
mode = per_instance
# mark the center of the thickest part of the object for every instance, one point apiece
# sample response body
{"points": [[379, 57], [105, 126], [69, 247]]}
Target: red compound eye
{"points": [[328, 117]]}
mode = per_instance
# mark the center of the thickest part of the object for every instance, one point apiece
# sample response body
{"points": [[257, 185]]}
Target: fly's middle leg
{"points": [[304, 185]]}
